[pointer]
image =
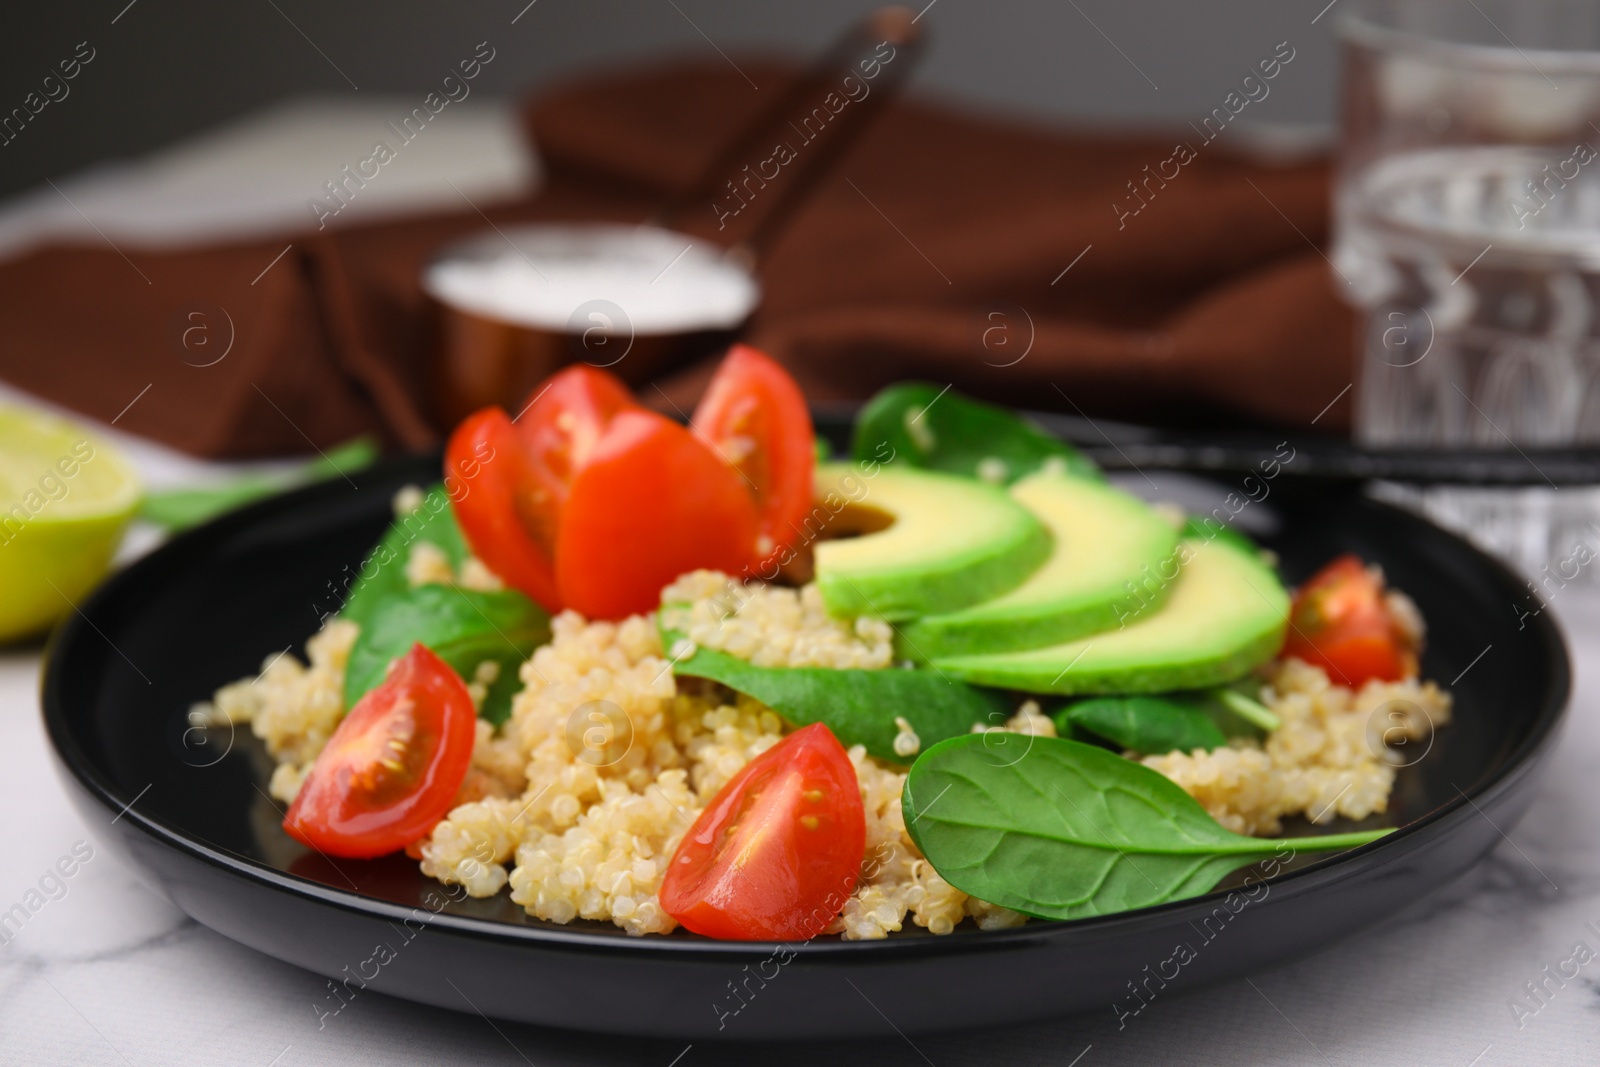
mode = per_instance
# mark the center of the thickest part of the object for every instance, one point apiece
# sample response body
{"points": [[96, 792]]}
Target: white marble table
{"points": [[109, 973]]}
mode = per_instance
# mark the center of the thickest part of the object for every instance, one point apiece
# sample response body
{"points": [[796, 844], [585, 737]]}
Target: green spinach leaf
{"points": [[463, 627], [180, 508], [929, 426], [383, 575], [1062, 830], [1150, 725], [859, 706], [1235, 706]]}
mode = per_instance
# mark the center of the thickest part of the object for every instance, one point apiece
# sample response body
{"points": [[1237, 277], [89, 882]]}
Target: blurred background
{"points": [[1142, 214], [168, 68], [190, 264]]}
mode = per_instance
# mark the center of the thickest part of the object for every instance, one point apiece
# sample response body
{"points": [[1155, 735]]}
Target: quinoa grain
{"points": [[582, 825]]}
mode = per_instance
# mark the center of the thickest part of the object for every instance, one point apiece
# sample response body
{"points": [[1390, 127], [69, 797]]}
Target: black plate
{"points": [[192, 814]]}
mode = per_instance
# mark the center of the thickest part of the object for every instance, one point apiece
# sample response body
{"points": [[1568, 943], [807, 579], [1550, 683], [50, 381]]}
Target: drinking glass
{"points": [[1467, 233]]}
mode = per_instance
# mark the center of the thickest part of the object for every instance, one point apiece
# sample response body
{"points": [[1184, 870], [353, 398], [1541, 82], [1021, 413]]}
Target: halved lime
{"points": [[65, 497]]}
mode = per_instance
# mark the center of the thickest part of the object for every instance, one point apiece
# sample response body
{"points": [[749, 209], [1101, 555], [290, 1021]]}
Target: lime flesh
{"points": [[65, 498]]}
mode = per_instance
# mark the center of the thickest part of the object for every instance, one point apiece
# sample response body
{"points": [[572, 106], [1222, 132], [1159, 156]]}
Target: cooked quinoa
{"points": [[1327, 759], [578, 801], [293, 707], [772, 626]]}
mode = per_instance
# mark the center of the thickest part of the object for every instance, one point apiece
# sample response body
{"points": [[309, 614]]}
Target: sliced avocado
{"points": [[1226, 613], [1206, 528], [1108, 550], [932, 542]]}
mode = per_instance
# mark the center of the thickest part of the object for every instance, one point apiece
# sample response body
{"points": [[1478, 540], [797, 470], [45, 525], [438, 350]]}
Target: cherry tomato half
{"points": [[393, 767], [560, 427], [651, 503], [1341, 622], [777, 852], [754, 414], [492, 488]]}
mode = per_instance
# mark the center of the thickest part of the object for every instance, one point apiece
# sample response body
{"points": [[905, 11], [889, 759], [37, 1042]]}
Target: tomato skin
{"points": [[365, 797], [652, 502], [778, 850], [1356, 659], [754, 414], [1339, 621], [560, 426], [491, 497]]}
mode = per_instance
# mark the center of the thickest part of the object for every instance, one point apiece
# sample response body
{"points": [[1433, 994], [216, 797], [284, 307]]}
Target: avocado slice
{"points": [[932, 542], [1108, 550], [1226, 613]]}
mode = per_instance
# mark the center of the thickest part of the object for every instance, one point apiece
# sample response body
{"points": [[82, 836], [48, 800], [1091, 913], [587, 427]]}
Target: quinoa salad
{"points": [[631, 673]]}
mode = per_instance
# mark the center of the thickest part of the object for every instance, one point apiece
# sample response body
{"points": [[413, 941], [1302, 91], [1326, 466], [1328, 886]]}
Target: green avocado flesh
{"points": [[1226, 613], [1108, 549], [937, 542]]}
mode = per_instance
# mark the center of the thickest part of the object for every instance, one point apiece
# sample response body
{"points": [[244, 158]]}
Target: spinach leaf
{"points": [[340, 460], [1062, 830], [1154, 724], [383, 575], [859, 706], [463, 626], [180, 508], [1150, 725], [929, 426], [1242, 707]]}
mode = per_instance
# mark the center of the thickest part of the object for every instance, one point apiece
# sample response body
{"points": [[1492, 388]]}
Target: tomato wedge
{"points": [[492, 487], [393, 767], [651, 503], [1342, 622], [560, 427], [777, 852], [754, 414]]}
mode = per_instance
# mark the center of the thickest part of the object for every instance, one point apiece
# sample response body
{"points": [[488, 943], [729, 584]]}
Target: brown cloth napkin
{"points": [[1002, 258]]}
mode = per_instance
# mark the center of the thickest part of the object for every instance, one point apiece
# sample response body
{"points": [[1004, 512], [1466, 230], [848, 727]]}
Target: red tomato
{"points": [[651, 503], [492, 489], [393, 767], [776, 853], [1340, 622], [560, 427], [754, 414]]}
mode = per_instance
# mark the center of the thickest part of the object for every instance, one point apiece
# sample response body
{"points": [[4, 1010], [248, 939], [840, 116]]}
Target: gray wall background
{"points": [[165, 68]]}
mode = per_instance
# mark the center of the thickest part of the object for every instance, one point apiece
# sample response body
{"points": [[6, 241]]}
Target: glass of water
{"points": [[1467, 218]]}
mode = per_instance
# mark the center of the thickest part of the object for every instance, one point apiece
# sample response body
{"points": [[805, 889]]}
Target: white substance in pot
{"points": [[558, 277]]}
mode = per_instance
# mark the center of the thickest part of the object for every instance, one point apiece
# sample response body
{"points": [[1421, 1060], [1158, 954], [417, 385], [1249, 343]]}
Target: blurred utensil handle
{"points": [[753, 186]]}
